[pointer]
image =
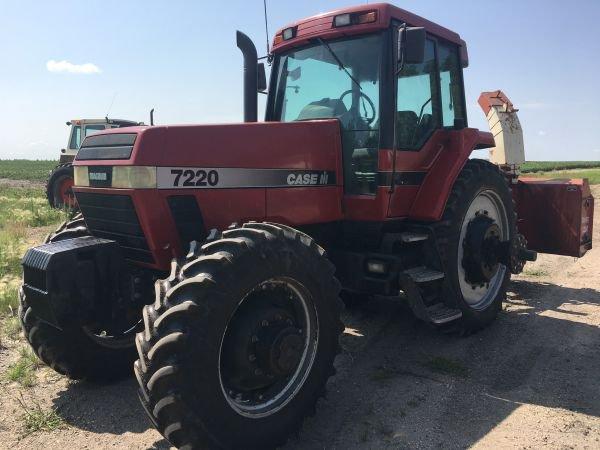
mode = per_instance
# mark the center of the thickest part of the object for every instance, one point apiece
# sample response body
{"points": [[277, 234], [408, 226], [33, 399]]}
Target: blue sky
{"points": [[180, 58]]}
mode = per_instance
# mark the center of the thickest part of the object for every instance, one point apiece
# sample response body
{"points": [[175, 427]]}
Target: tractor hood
{"points": [[156, 189], [308, 145]]}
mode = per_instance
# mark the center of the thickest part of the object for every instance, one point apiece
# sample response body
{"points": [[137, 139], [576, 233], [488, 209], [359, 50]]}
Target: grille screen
{"points": [[114, 217]]}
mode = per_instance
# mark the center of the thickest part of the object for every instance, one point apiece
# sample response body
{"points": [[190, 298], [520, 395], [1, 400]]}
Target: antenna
{"points": [[267, 27], [111, 104]]}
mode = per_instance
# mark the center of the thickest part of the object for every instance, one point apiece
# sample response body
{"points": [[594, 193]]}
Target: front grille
{"points": [[114, 217]]}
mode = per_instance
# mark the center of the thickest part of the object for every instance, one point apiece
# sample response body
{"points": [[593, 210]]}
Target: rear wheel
{"points": [[474, 240], [101, 351], [59, 189], [241, 340]]}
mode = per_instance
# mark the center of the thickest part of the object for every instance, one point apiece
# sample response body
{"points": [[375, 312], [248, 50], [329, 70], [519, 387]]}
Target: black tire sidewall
{"points": [[61, 172], [200, 376], [488, 177]]}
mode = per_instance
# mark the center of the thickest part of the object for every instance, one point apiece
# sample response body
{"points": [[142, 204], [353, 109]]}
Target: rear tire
{"points": [[478, 179], [58, 188], [72, 351], [183, 372]]}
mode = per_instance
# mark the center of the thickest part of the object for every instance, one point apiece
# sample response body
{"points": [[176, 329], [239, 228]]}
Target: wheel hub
{"points": [[483, 250]]}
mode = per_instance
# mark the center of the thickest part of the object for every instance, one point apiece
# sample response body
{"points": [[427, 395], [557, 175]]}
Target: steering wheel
{"points": [[368, 119]]}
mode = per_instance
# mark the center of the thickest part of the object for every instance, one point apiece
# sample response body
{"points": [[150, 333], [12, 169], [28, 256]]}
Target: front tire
{"points": [[75, 351], [241, 340]]}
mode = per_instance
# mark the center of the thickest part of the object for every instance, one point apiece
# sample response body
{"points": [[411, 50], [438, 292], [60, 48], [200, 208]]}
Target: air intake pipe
{"points": [[248, 49]]}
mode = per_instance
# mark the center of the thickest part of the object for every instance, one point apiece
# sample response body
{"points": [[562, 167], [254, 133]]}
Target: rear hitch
{"points": [[64, 281]]}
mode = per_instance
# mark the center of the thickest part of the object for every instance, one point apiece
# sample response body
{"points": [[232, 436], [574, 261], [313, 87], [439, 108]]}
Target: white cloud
{"points": [[596, 150], [67, 67], [542, 133]]}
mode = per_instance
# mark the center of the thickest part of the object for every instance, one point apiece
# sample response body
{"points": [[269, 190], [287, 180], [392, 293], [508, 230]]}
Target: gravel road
{"points": [[530, 380]]}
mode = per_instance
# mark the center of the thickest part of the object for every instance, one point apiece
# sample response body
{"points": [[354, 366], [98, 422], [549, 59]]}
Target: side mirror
{"points": [[261, 82], [411, 45]]}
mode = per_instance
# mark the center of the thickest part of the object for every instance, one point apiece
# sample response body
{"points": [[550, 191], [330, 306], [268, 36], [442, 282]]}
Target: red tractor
{"points": [[215, 255]]}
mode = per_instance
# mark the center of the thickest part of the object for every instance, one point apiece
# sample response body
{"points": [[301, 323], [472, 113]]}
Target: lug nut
{"points": [[254, 338], [265, 323], [252, 358], [258, 372]]}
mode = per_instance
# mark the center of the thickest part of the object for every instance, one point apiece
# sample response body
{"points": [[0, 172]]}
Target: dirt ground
{"points": [[530, 380]]}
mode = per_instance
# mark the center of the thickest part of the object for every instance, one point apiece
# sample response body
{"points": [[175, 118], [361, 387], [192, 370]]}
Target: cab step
{"points": [[408, 237], [440, 314], [422, 274]]}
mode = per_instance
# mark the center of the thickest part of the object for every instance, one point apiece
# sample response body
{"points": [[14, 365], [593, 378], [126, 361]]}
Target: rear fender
{"points": [[433, 194]]}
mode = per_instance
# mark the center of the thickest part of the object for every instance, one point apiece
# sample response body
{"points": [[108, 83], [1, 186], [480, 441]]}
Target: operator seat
{"points": [[326, 108]]}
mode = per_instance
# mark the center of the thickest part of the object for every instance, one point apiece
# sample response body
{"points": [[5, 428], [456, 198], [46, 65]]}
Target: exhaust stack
{"points": [[248, 49]]}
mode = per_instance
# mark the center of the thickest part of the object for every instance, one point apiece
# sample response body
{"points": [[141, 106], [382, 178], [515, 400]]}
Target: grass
{"points": [[23, 371], [21, 208], [547, 166], [24, 169], [535, 273], [8, 300], [446, 366], [37, 418], [593, 175]]}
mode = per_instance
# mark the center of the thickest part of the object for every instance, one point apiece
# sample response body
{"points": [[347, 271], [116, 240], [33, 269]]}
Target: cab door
{"points": [[430, 108]]}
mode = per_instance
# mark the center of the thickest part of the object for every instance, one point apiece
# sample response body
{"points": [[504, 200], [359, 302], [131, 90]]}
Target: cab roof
{"points": [[321, 25]]}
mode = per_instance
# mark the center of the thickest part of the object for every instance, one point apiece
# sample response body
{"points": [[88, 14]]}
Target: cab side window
{"points": [[75, 137], [417, 102], [451, 85]]}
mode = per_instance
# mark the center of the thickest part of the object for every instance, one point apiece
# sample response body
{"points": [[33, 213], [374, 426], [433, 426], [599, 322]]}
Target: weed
{"points": [[38, 419], [535, 273], [9, 300], [11, 327], [440, 364], [23, 371]]}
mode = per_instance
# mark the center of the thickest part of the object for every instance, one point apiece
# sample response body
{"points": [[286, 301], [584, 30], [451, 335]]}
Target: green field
{"points": [[547, 166], [24, 169]]}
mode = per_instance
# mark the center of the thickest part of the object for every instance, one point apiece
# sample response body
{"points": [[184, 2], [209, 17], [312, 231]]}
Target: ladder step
{"points": [[408, 237], [422, 274], [440, 313]]}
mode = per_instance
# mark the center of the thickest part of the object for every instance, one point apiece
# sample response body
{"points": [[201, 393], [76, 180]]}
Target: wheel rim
{"points": [[268, 347], [63, 195], [488, 204]]}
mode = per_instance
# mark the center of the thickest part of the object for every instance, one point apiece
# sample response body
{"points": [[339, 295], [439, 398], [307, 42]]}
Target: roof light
{"points": [[367, 17], [278, 39], [289, 33], [344, 20]]}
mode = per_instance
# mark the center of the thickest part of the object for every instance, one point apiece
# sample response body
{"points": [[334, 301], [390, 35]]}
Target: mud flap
{"points": [[555, 216], [64, 281]]}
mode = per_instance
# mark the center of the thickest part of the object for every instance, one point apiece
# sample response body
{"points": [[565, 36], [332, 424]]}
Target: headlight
{"points": [[81, 176], [120, 177], [134, 177]]}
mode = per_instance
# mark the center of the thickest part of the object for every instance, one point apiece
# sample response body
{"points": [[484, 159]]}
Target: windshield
{"points": [[336, 79], [312, 84]]}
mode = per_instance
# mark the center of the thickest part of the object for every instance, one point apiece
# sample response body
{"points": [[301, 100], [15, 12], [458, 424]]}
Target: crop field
{"points": [[399, 383], [24, 169], [548, 166]]}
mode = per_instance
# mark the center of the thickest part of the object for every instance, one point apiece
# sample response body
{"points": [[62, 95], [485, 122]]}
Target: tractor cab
{"points": [[81, 128]]}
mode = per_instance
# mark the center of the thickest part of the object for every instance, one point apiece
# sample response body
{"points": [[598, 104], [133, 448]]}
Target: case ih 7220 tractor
{"points": [[226, 247]]}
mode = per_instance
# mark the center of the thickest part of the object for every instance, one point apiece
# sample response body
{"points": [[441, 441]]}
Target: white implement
{"points": [[504, 124]]}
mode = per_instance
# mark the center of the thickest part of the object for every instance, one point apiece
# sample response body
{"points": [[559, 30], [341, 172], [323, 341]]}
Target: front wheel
{"points": [[101, 351], [241, 340]]}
